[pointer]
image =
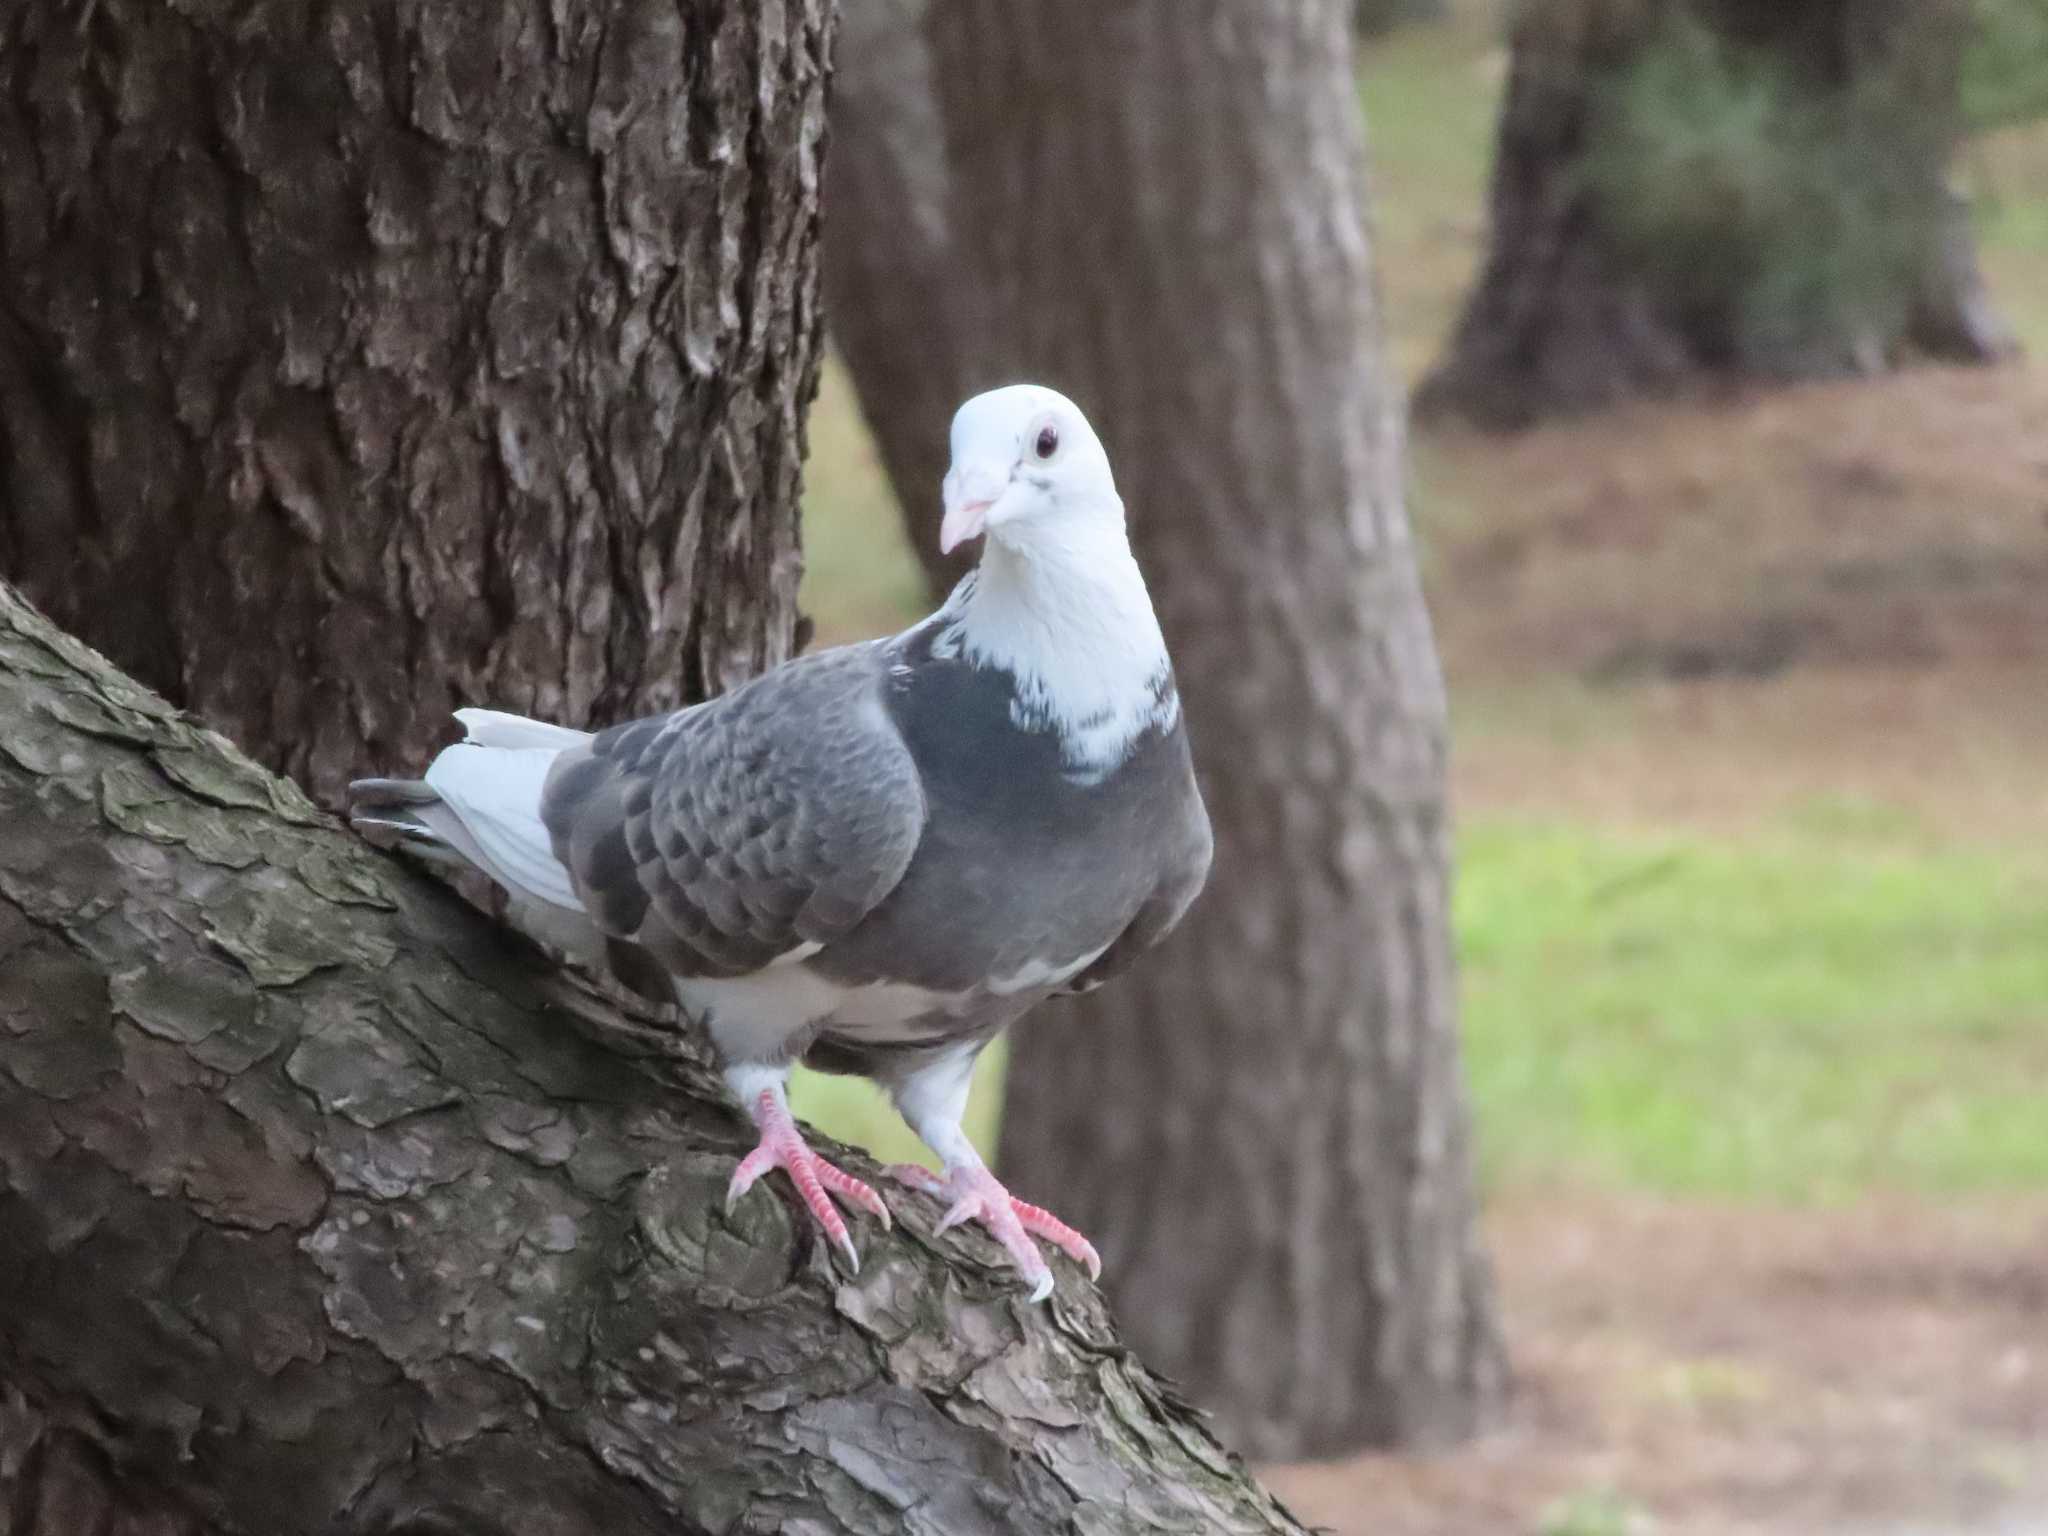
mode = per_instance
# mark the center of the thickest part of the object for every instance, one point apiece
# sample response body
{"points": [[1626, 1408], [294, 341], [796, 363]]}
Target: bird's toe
{"points": [[916, 1176], [979, 1197], [1040, 1222], [817, 1183], [854, 1191]]}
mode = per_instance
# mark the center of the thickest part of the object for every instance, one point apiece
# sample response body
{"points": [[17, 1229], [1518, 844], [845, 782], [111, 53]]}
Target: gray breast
{"points": [[1025, 872]]}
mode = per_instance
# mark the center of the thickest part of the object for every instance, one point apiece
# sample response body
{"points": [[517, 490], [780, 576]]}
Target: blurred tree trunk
{"points": [[327, 1208], [1160, 208], [357, 362], [1376, 18], [914, 332], [1572, 312]]}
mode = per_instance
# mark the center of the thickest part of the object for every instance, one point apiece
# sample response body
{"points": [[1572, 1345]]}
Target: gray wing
{"points": [[1180, 882], [724, 836]]}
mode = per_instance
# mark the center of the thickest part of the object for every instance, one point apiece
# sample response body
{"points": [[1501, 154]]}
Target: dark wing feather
{"points": [[726, 835]]}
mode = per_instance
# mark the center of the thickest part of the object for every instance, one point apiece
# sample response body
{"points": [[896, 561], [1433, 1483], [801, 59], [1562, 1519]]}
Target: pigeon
{"points": [[874, 858]]}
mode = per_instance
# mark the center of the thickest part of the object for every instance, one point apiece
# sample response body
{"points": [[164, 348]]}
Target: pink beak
{"points": [[964, 521]]}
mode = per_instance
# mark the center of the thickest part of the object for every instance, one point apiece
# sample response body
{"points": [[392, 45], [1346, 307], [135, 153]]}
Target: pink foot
{"points": [[783, 1146], [978, 1196]]}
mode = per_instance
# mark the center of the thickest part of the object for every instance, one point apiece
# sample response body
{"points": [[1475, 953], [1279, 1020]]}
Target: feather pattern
{"points": [[728, 835]]}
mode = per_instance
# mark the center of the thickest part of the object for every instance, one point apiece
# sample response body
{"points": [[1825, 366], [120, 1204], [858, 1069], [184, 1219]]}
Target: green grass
{"points": [[859, 575], [1594, 1512], [1820, 1007]]}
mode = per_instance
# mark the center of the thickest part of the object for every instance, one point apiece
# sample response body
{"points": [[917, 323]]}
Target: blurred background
{"points": [[1682, 1164], [1748, 678]]}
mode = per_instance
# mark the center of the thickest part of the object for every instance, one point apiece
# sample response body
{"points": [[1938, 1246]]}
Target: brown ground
{"points": [[1703, 615], [1877, 1368], [1961, 751], [1699, 613], [1894, 523]]}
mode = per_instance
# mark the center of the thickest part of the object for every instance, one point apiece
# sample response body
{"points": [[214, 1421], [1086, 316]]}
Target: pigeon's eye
{"points": [[1048, 442]]}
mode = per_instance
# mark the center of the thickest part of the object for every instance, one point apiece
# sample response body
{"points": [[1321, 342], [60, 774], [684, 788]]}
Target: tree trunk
{"points": [[357, 362], [1376, 18], [328, 1207], [913, 331], [1160, 209], [1635, 248]]}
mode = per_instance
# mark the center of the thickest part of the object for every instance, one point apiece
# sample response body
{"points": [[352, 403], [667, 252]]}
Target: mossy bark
{"points": [[327, 1206]]}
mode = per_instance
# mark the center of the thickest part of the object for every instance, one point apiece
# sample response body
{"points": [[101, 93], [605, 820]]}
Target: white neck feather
{"points": [[1069, 617]]}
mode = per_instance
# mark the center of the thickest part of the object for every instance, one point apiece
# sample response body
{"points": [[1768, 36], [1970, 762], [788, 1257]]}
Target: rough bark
{"points": [[357, 362], [327, 1206], [1567, 316], [1160, 208]]}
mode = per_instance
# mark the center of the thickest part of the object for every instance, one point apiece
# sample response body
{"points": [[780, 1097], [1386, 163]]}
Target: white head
{"points": [[1025, 461], [1057, 601]]}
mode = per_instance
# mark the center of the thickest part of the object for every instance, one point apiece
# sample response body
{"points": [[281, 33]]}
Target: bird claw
{"points": [[966, 1207], [817, 1181], [979, 1196]]}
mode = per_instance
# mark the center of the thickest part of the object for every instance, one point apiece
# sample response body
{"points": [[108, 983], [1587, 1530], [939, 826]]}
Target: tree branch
{"points": [[328, 1206]]}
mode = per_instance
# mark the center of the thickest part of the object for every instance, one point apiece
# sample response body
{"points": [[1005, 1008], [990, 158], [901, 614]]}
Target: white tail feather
{"points": [[494, 791], [495, 728]]}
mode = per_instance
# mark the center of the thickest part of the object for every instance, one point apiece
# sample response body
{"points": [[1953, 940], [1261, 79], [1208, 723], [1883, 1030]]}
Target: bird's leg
{"points": [[762, 1093], [933, 1100]]}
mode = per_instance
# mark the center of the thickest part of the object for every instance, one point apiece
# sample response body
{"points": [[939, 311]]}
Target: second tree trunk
{"points": [[1160, 210]]}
